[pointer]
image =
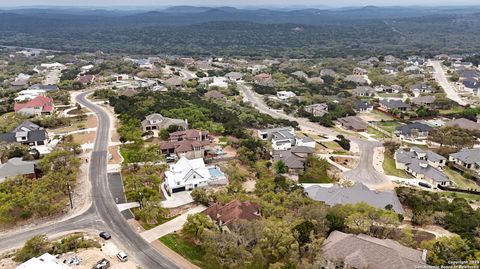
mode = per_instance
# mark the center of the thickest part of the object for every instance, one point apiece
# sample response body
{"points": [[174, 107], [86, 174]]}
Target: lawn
{"points": [[460, 181], [455, 109], [334, 146], [375, 133], [390, 168], [388, 126], [186, 248], [381, 116]]}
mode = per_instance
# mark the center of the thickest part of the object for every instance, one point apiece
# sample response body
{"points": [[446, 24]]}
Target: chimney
{"points": [[424, 255]]}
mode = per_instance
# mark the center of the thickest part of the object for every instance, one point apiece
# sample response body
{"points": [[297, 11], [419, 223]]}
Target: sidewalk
{"points": [[170, 226]]}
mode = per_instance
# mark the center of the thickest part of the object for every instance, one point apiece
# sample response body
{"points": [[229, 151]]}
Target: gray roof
{"points": [[362, 90], [353, 122], [356, 194], [15, 167], [34, 133], [44, 87], [468, 156], [423, 100], [393, 104], [464, 123], [363, 251], [292, 158], [412, 160], [234, 75], [362, 104], [407, 128], [300, 74]]}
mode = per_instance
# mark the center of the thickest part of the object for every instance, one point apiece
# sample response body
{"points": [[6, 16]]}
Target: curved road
{"points": [[364, 172], [103, 213]]}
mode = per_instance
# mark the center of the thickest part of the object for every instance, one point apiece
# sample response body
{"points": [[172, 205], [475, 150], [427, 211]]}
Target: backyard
{"points": [[390, 168]]}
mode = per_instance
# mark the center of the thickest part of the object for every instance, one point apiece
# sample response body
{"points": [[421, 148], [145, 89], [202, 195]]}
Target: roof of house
{"points": [[85, 79], [407, 128], [353, 122], [215, 94], [464, 124], [393, 104], [299, 74], [128, 92], [292, 158], [363, 104], [468, 156], [327, 72], [183, 145], [353, 195], [189, 134], [471, 84], [181, 170], [356, 78], [363, 251], [412, 160], [34, 133], [45, 103], [234, 75], [159, 119], [233, 211], [174, 81], [46, 88], [362, 90], [16, 167], [424, 100]]}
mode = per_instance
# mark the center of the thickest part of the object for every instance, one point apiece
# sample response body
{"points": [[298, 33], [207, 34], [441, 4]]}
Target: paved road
{"points": [[442, 80], [364, 172], [103, 214]]}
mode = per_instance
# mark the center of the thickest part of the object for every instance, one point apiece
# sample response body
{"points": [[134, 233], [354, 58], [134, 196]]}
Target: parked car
{"points": [[102, 264], [105, 235], [425, 185], [122, 256]]}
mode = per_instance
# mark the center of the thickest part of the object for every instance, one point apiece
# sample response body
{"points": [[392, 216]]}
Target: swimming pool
{"points": [[215, 172]]}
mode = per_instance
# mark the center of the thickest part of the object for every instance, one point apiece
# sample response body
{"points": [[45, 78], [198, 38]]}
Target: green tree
{"points": [[34, 247], [280, 167], [199, 195], [444, 249], [196, 224]]}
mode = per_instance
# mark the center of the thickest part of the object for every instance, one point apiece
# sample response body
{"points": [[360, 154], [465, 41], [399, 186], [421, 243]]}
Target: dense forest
{"points": [[239, 33]]}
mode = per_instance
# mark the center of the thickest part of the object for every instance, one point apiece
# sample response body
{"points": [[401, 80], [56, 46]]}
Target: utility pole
{"points": [[140, 200], [69, 190]]}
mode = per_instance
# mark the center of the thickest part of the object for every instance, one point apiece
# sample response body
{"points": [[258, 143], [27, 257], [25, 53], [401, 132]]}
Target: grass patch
{"points": [[460, 181], [134, 153], [161, 220], [375, 133], [388, 126], [382, 116], [186, 248], [334, 146], [390, 168], [455, 109]]}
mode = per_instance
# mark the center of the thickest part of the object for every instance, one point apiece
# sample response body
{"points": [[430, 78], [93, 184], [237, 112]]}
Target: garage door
{"points": [[178, 189]]}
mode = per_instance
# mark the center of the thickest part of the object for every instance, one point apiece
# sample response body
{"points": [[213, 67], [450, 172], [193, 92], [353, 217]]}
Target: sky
{"points": [[243, 3]]}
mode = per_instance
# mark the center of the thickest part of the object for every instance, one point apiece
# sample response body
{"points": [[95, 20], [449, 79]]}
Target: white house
{"points": [[46, 261], [220, 82], [284, 95], [188, 174], [29, 94], [283, 138], [57, 66]]}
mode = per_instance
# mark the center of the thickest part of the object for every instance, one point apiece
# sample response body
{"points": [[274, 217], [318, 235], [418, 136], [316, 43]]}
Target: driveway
{"points": [[170, 226]]}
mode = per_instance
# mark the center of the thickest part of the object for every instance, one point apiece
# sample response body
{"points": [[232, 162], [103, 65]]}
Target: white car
{"points": [[122, 256]]}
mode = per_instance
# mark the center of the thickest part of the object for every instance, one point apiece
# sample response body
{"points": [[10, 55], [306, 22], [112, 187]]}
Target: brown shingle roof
{"points": [[233, 211]]}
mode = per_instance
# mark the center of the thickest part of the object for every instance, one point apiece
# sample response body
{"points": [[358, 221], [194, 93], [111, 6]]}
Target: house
{"points": [[464, 124], [39, 105], [46, 88], [422, 164], [29, 94], [234, 76], [389, 89], [204, 65], [467, 159], [26, 133], [266, 134], [285, 95], [358, 193], [414, 130], [174, 82], [225, 216], [359, 71], [190, 134], [215, 95], [426, 100], [358, 79], [328, 72], [363, 251], [86, 79], [191, 144], [185, 175], [264, 79], [299, 74], [390, 60], [412, 69], [363, 106], [416, 60], [315, 80], [129, 92], [17, 167], [353, 123], [471, 85], [317, 110], [255, 69], [156, 122], [283, 139], [393, 105], [293, 158], [219, 82], [363, 91], [420, 88], [20, 81], [46, 261], [389, 70]]}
